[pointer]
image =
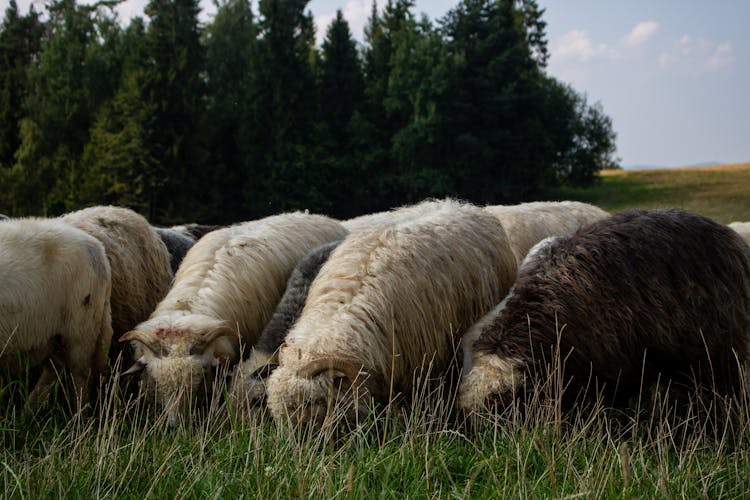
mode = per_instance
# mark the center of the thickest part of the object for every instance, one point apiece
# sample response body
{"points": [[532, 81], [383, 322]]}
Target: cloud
{"points": [[577, 45], [698, 55], [641, 33], [722, 57]]}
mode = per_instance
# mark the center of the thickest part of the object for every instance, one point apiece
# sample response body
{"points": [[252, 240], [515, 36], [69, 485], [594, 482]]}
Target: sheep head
{"points": [[323, 390], [179, 363], [490, 381]]}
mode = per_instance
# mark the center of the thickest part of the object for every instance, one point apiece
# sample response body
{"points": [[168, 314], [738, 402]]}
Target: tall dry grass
{"points": [[420, 447]]}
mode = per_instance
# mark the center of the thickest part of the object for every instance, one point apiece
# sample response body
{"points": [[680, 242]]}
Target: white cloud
{"points": [[722, 57], [641, 33], [698, 55], [576, 44]]}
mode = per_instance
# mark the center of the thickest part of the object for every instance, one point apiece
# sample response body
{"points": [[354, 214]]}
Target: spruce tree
{"points": [[173, 92], [230, 42]]}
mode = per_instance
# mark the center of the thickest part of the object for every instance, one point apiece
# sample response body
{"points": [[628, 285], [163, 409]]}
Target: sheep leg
{"points": [[40, 395]]}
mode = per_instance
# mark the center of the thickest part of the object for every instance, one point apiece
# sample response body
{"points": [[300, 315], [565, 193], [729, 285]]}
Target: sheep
{"points": [[223, 295], [528, 223], [55, 303], [743, 229], [177, 244], [248, 380], [627, 299], [3, 217], [141, 273], [389, 303]]}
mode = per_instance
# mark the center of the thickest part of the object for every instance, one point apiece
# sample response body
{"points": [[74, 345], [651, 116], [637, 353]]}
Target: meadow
{"points": [[122, 449], [721, 192]]}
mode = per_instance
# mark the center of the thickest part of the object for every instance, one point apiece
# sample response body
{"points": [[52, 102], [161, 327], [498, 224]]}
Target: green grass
{"points": [[721, 192], [128, 451]]}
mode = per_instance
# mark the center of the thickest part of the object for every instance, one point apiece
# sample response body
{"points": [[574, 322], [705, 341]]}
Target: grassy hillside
{"points": [[721, 192]]}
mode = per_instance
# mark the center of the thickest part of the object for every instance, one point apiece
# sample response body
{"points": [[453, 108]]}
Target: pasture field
{"points": [[721, 192], [123, 450]]}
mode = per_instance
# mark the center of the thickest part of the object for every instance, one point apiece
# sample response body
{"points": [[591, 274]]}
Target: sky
{"points": [[672, 74]]}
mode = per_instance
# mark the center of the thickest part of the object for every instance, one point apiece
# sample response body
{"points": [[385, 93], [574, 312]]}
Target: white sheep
{"points": [[55, 303], [528, 223], [224, 293], [139, 260], [390, 302]]}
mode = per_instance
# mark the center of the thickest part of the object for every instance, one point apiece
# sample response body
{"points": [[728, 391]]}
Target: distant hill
{"points": [[654, 167]]}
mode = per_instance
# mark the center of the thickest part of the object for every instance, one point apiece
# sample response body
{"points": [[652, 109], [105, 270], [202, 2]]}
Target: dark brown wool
{"points": [[635, 295]]}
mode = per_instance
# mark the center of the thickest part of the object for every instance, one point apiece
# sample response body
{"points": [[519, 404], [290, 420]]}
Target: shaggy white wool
{"points": [[393, 298], [224, 292], [140, 262], [528, 223], [56, 282]]}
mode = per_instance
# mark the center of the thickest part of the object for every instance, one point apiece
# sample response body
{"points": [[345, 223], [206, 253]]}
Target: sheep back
{"points": [[528, 223], [665, 286]]}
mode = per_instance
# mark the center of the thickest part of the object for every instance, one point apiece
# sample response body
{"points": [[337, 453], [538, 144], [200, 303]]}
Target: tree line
{"points": [[245, 116]]}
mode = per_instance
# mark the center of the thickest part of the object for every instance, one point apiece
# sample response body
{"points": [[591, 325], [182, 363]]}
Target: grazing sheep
{"points": [[55, 304], [139, 260], [248, 381], [223, 295], [528, 223], [177, 245], [743, 229], [626, 299], [387, 307]]}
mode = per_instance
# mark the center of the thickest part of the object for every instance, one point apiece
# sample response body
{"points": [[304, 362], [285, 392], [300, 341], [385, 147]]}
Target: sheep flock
{"points": [[314, 320]]}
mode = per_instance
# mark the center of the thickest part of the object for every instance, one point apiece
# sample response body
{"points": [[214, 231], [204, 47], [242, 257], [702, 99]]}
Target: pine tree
{"points": [[117, 157], [230, 43], [173, 91], [341, 102], [283, 96], [495, 116], [20, 43]]}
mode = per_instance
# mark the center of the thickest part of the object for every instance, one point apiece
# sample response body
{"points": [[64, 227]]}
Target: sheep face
{"points": [[180, 369]]}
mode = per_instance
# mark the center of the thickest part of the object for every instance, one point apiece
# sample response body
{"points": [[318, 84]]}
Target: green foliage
{"points": [[246, 117]]}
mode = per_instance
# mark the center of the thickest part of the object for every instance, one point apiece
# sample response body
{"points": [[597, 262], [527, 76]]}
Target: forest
{"points": [[244, 115]]}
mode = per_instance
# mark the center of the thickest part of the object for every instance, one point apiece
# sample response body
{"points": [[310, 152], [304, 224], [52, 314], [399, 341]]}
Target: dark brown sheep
{"points": [[637, 295]]}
